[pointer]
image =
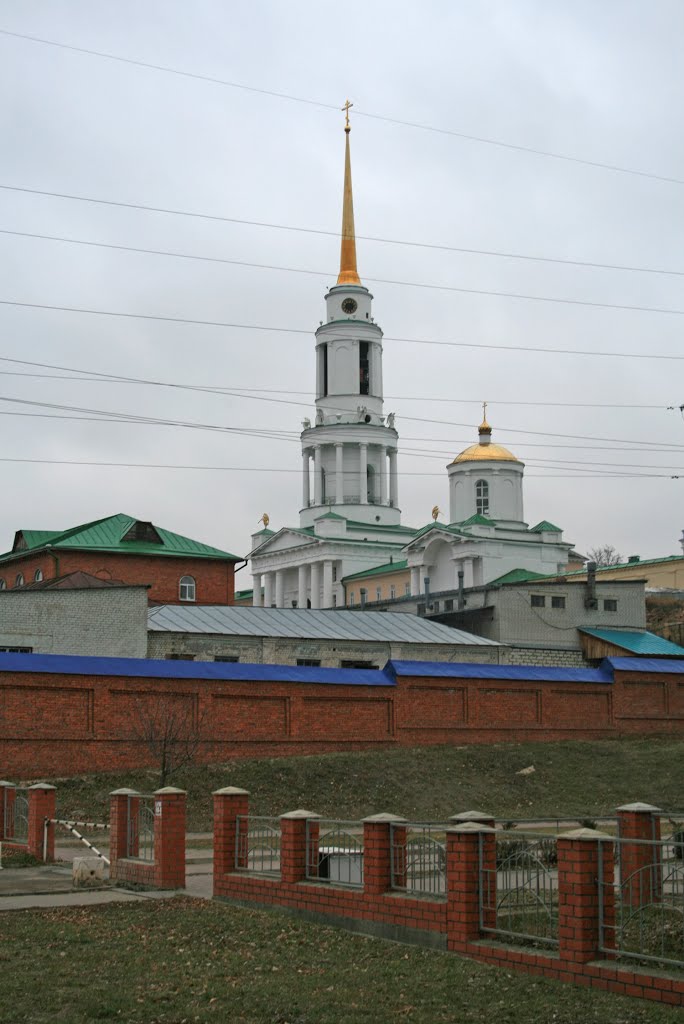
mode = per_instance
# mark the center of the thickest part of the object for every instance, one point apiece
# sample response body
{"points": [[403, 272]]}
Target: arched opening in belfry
{"points": [[370, 485]]}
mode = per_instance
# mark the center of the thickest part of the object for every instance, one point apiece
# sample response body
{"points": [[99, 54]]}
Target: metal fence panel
{"points": [[334, 852], [16, 814], [257, 844], [519, 887], [418, 852], [140, 830]]}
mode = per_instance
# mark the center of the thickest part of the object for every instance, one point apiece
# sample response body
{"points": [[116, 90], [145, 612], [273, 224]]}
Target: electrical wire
{"points": [[481, 140]]}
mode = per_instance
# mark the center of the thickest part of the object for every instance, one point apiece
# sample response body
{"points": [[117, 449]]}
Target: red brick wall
{"points": [[59, 724], [214, 578]]}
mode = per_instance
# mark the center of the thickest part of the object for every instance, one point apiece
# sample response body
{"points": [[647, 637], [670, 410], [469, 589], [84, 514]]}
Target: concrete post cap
{"points": [[124, 792], [301, 813], [379, 819], [42, 785], [231, 791], [640, 808], [584, 833], [470, 827], [170, 791], [472, 816], [9, 785]]}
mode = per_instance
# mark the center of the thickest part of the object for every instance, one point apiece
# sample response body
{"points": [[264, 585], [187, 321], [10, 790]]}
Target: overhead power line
{"points": [[300, 330], [490, 293], [335, 234], [481, 140]]}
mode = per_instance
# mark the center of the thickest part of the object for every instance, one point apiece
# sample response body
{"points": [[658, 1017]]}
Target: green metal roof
{"points": [[330, 515], [242, 595], [476, 520], [628, 565], [545, 527], [517, 576], [107, 535], [388, 567], [637, 641]]}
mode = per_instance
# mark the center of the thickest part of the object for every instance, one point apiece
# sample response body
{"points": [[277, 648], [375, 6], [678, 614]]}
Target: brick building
{"points": [[176, 569]]}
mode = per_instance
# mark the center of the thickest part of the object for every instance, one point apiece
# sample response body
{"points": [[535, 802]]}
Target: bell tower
{"points": [[349, 454]]}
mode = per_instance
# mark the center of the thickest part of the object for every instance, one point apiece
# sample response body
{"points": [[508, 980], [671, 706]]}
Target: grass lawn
{"points": [[185, 960], [430, 783]]}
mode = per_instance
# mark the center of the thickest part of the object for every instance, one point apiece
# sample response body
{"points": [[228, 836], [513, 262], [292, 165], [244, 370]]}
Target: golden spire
{"points": [[484, 426], [348, 272]]}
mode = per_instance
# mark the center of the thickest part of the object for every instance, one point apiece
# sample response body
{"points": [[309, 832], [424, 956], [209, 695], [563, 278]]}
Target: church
{"points": [[350, 519]]}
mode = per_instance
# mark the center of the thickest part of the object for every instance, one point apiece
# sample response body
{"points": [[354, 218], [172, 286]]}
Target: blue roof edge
{"points": [[479, 670]]}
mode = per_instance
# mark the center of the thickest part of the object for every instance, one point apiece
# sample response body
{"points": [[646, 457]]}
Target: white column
{"points": [[302, 585], [306, 489], [363, 473], [327, 583], [280, 588], [256, 594], [318, 476], [383, 474], [339, 473], [269, 580], [415, 580], [393, 489], [468, 572], [315, 585]]}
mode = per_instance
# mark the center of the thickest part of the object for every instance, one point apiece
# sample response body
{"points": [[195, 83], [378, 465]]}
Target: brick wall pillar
{"points": [[580, 893], [293, 845], [42, 799], [314, 830], [229, 804], [377, 853], [464, 843], [118, 826], [169, 837], [641, 871], [6, 788], [488, 857]]}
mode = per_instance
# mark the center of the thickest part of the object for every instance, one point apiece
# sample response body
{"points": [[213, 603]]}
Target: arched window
{"points": [[19, 581], [3, 584], [186, 588], [370, 485], [38, 576], [482, 498]]}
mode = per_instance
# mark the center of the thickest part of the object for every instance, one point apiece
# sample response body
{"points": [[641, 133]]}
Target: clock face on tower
{"points": [[349, 306]]}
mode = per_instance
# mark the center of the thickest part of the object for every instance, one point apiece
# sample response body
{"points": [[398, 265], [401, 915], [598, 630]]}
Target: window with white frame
{"points": [[19, 581], [38, 576], [351, 600], [393, 592], [186, 588], [407, 589], [482, 498], [378, 593]]}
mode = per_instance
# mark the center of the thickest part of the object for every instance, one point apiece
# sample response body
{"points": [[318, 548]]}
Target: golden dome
{"points": [[485, 452]]}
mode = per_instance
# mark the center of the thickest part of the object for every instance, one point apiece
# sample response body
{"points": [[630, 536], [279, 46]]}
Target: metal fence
{"points": [[140, 830], [257, 844], [418, 858], [334, 852], [16, 814], [641, 908], [519, 886]]}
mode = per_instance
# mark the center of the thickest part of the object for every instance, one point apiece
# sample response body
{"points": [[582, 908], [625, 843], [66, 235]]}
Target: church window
{"points": [[19, 581], [558, 602], [370, 485], [186, 588], [610, 605], [538, 601], [38, 576], [334, 570], [364, 368], [323, 494], [324, 356], [482, 498]]}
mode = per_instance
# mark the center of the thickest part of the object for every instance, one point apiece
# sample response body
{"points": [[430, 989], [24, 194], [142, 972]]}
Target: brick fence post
{"points": [[377, 853], [169, 837], [488, 854], [641, 871], [583, 902], [293, 845], [464, 843], [9, 802], [118, 827], [230, 803], [5, 788], [41, 805]]}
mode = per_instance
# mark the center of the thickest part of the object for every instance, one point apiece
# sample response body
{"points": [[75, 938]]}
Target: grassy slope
{"points": [[188, 961], [431, 783]]}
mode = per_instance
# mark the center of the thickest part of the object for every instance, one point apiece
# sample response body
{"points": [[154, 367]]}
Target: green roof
{"points": [[109, 535], [637, 641], [517, 576], [387, 567], [545, 527], [242, 595], [329, 515], [627, 565], [476, 520]]}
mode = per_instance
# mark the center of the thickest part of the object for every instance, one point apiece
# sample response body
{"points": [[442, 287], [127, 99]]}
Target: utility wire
{"points": [[334, 234], [482, 140], [299, 330], [490, 293]]}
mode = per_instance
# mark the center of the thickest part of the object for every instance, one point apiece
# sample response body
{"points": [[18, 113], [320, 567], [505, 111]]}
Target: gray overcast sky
{"points": [[599, 81]]}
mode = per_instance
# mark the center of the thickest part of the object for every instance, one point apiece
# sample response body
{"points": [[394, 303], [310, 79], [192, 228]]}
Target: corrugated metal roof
{"points": [[387, 567], [468, 670], [651, 665], [150, 668], [638, 641], [305, 623]]}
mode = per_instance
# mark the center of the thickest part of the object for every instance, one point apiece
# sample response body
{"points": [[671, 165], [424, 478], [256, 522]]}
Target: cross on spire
{"points": [[347, 106]]}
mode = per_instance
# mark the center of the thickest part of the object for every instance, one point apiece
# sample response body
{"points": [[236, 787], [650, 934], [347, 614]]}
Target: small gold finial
{"points": [[484, 426], [436, 512], [265, 519], [347, 106]]}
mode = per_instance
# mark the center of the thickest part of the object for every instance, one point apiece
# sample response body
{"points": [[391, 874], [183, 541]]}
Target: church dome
{"points": [[484, 450]]}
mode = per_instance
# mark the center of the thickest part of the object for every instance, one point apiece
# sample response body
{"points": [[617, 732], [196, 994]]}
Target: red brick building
{"points": [[175, 568]]}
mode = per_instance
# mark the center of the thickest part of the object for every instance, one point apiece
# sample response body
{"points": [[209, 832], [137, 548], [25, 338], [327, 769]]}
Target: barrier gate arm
{"points": [[71, 825]]}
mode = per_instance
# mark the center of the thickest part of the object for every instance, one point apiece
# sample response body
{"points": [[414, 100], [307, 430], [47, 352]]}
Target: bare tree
{"points": [[170, 726], [604, 555]]}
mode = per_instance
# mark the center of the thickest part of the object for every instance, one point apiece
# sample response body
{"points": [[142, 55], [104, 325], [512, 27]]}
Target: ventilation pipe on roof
{"points": [[590, 600]]}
